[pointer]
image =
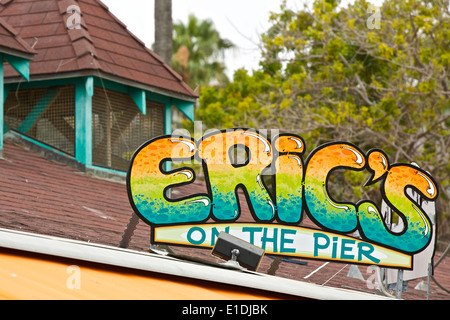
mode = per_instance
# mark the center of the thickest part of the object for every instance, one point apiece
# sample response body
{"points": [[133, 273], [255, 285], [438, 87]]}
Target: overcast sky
{"points": [[241, 21]]}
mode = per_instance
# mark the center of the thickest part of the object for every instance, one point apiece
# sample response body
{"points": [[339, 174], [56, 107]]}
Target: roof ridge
{"points": [[8, 27], [157, 57], [26, 48], [123, 25], [152, 53], [77, 31]]}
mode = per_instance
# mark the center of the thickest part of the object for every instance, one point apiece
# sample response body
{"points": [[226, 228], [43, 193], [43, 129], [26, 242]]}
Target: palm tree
{"points": [[199, 53], [163, 30]]}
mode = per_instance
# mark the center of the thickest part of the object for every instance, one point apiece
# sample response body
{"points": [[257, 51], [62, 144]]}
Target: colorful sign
{"points": [[298, 187]]}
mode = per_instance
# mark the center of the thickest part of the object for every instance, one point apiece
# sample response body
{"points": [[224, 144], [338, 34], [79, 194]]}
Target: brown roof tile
{"points": [[43, 6], [12, 43], [52, 42], [51, 17], [20, 8], [122, 55], [43, 30], [63, 52], [45, 197], [32, 19]]}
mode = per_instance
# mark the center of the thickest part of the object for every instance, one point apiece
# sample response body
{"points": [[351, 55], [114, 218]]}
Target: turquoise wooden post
{"points": [[168, 119], [84, 91], [2, 88]]}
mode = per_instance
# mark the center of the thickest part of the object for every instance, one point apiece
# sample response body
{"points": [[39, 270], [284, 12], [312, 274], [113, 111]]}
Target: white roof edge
{"points": [[101, 254]]}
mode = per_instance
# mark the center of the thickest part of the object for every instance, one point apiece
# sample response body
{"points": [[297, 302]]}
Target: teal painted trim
{"points": [[158, 98], [42, 84], [84, 89], [42, 145], [21, 65], [140, 98], [2, 103], [68, 81], [37, 111], [108, 84], [186, 107]]}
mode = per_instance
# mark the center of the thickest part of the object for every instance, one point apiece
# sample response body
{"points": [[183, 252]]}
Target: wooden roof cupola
{"points": [[95, 91]]}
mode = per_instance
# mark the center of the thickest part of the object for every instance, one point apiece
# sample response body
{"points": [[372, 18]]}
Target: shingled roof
{"points": [[12, 43], [77, 38], [45, 197]]}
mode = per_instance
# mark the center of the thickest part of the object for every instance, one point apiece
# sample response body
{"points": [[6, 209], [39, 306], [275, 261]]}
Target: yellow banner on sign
{"points": [[289, 241]]}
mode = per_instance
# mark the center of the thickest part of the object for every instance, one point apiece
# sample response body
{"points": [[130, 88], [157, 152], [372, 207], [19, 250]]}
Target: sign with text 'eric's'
{"points": [[291, 189]]}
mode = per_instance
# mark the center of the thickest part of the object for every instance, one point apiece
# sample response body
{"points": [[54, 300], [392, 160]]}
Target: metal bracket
{"points": [[233, 263]]}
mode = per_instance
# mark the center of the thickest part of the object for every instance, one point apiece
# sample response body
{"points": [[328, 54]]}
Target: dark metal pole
{"points": [[129, 231]]}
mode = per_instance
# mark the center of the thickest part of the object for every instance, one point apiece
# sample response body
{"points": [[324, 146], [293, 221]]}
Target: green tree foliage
{"points": [[377, 79], [199, 52]]}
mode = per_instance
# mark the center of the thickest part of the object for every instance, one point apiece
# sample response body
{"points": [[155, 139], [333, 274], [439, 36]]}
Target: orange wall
{"points": [[25, 276]]}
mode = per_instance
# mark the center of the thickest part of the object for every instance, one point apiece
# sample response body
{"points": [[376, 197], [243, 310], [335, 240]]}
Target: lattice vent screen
{"points": [[119, 128], [44, 114]]}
